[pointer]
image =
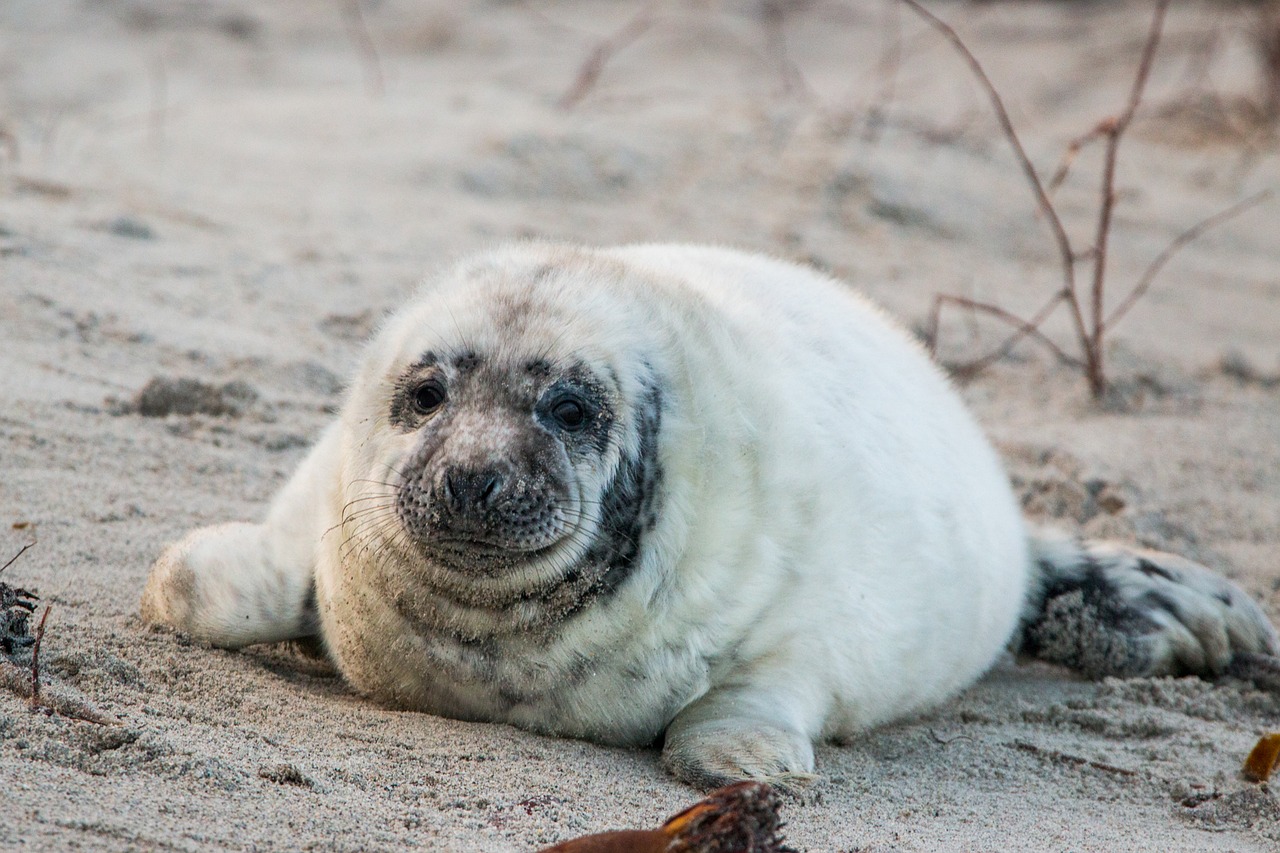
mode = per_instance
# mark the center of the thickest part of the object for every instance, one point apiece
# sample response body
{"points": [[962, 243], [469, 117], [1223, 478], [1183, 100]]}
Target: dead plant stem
{"points": [[35, 658], [591, 68], [15, 557], [1024, 328], [1175, 245], [1114, 131], [1063, 242]]}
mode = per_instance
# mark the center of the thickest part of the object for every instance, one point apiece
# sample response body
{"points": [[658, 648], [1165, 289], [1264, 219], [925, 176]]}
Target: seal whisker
{"points": [[372, 482], [362, 512], [362, 533]]}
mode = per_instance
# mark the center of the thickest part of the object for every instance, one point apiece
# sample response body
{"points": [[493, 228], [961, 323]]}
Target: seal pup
{"points": [[657, 490]]}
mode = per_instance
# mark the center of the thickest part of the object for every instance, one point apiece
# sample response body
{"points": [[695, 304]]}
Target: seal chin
{"points": [[481, 555]]}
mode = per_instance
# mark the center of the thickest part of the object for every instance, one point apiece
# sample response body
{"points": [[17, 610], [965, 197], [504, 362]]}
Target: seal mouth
{"points": [[460, 544], [480, 552]]}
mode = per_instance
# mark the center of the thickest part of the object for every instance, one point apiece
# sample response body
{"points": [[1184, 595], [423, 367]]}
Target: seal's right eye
{"points": [[428, 397]]}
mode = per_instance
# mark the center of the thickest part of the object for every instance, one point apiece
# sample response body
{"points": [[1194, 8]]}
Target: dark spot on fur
{"points": [[629, 504], [1085, 623], [467, 361], [309, 622], [1157, 599], [1152, 570]]}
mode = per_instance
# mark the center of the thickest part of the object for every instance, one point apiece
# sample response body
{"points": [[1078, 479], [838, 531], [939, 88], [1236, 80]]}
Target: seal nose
{"points": [[470, 490]]}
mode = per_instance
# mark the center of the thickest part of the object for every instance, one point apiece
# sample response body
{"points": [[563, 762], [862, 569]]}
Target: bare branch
{"points": [[605, 50], [1114, 131], [35, 658], [1192, 233], [15, 557], [358, 31], [1074, 147], [1065, 252], [1024, 329], [53, 697]]}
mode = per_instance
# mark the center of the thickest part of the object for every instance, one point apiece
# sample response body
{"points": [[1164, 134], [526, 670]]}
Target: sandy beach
{"points": [[236, 193]]}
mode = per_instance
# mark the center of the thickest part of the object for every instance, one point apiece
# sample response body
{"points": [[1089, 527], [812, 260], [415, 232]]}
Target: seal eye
{"points": [[569, 414], [428, 397]]}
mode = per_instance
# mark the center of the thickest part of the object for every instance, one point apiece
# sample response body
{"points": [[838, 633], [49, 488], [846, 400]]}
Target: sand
{"points": [[235, 193]]}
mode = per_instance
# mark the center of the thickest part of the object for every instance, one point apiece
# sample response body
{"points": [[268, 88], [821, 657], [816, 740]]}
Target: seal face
{"points": [[490, 489], [490, 483]]}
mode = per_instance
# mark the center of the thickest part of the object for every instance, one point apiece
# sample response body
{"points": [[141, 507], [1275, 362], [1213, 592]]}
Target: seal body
{"points": [[611, 493], [821, 512]]}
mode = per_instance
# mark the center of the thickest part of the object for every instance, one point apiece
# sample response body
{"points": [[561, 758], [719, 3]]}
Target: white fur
{"points": [[837, 544]]}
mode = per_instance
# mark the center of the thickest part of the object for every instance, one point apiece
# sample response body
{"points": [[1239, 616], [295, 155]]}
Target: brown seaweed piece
{"points": [[1263, 758], [741, 818]]}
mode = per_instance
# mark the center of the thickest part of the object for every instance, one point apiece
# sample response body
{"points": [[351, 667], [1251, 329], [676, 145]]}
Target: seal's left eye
{"points": [[569, 414], [428, 397]]}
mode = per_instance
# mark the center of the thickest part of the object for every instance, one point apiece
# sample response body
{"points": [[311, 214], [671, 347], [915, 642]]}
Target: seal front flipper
{"points": [[234, 585], [1105, 610], [752, 731]]}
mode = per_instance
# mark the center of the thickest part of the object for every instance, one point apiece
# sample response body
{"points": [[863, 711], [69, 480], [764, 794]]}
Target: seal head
{"points": [[491, 482], [505, 480]]}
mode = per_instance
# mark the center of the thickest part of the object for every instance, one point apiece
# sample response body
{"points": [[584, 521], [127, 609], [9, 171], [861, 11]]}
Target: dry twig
{"points": [[1063, 242], [15, 557], [735, 819], [53, 697], [1025, 328], [1114, 132], [1074, 147], [1148, 276], [358, 31], [1066, 758], [35, 658], [1091, 330], [606, 49]]}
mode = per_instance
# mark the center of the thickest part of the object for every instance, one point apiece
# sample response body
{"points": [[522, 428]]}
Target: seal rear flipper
{"points": [[1103, 609]]}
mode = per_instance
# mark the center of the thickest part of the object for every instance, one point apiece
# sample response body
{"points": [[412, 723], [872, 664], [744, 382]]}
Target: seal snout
{"points": [[469, 491], [491, 507]]}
